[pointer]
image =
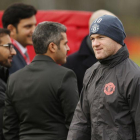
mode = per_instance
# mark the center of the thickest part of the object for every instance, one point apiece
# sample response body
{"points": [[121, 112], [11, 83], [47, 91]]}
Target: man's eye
{"points": [[91, 38], [28, 26]]}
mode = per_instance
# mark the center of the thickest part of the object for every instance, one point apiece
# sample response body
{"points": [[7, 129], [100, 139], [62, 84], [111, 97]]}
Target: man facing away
{"points": [[41, 97], [84, 58], [20, 19], [109, 107], [7, 52]]}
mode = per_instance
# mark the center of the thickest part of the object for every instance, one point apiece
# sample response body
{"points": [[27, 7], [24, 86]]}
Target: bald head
{"points": [[97, 14]]}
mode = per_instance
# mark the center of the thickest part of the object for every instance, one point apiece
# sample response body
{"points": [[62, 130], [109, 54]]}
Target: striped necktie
{"points": [[27, 56]]}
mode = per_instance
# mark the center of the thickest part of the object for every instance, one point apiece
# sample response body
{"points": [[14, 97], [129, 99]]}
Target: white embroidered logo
{"points": [[94, 28]]}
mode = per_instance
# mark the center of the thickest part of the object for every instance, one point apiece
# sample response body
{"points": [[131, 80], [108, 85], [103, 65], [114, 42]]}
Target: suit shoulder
{"points": [[61, 72], [64, 69], [17, 73]]}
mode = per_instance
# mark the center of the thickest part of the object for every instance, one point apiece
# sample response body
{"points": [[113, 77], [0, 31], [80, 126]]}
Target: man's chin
{"points": [[7, 65], [29, 44], [63, 62]]}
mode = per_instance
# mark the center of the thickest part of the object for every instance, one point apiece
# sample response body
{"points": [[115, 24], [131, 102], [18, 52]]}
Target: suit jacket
{"points": [[3, 80], [18, 62], [80, 61], [41, 99]]}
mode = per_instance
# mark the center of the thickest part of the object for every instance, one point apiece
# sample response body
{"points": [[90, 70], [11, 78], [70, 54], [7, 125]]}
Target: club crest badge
{"points": [[109, 88], [94, 28]]}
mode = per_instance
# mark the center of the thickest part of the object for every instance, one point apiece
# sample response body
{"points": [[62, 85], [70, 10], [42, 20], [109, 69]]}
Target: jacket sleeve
{"points": [[69, 96], [134, 103], [2, 99], [10, 119], [80, 128]]}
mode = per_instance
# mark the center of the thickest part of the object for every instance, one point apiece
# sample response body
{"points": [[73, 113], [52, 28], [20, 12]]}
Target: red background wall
{"points": [[77, 27]]}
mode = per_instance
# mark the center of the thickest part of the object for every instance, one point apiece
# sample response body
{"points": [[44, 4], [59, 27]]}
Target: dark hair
{"points": [[4, 32], [45, 33], [14, 13]]}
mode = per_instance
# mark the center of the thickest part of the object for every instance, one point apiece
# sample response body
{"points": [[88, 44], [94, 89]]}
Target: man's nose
{"points": [[95, 43], [13, 52], [68, 48]]}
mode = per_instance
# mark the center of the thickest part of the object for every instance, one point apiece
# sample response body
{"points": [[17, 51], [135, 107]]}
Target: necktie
{"points": [[27, 57]]}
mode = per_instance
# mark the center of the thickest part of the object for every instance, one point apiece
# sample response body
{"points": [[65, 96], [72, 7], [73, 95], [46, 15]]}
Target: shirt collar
{"points": [[22, 49]]}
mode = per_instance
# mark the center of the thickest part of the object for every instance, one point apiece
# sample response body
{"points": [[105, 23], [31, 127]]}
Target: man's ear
{"points": [[12, 29], [52, 47]]}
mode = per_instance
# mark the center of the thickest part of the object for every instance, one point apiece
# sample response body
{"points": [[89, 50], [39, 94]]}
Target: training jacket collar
{"points": [[113, 60]]}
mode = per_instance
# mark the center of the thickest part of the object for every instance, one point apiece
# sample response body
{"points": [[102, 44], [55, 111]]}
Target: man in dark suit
{"points": [[41, 97], [7, 52], [81, 60], [20, 19]]}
